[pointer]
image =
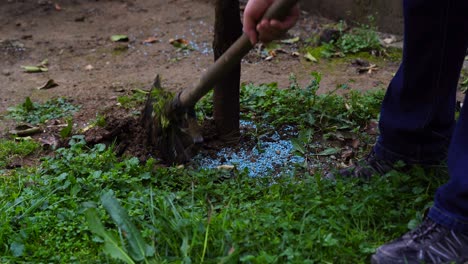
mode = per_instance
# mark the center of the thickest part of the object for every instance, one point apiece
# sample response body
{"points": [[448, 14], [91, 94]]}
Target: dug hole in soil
{"points": [[93, 71]]}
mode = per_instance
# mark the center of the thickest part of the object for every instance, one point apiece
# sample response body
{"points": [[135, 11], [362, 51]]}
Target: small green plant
{"points": [[36, 113], [204, 107], [359, 39], [132, 101], [363, 38], [12, 149], [99, 121], [67, 131], [304, 107]]}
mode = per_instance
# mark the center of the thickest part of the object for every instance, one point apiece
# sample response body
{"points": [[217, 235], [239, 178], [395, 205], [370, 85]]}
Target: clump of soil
{"points": [[125, 131]]}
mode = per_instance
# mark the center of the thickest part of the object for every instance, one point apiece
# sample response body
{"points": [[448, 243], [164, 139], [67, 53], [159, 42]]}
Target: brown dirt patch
{"points": [[94, 71]]}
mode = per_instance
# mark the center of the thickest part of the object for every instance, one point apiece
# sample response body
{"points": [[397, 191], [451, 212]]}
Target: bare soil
{"points": [[93, 71]]}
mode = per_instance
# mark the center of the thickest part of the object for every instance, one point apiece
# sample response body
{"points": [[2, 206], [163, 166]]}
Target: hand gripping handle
{"points": [[189, 97]]}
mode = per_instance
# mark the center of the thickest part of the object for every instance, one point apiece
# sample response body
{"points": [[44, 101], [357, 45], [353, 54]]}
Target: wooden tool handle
{"points": [[189, 97]]}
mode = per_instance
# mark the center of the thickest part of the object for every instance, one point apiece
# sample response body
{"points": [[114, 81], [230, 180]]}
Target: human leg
{"points": [[451, 201], [417, 115], [443, 236]]}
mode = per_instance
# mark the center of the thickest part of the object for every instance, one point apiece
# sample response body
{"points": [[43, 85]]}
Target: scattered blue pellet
{"points": [[260, 160]]}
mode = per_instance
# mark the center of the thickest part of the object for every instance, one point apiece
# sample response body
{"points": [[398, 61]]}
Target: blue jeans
{"points": [[417, 122]]}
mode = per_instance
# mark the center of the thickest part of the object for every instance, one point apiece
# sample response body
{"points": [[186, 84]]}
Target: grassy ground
{"points": [[86, 205]]}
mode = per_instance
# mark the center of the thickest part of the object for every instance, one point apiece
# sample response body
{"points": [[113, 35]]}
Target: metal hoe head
{"points": [[171, 130]]}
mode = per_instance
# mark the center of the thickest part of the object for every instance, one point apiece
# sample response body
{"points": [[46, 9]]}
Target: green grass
{"points": [[10, 150], [190, 215], [86, 205]]}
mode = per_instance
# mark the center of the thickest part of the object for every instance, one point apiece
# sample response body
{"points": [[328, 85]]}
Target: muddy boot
{"points": [[366, 168]]}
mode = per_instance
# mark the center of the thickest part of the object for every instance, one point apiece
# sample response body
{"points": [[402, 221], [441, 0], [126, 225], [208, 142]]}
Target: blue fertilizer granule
{"points": [[274, 155]]}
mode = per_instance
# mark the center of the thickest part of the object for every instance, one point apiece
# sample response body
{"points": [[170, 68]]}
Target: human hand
{"points": [[266, 30]]}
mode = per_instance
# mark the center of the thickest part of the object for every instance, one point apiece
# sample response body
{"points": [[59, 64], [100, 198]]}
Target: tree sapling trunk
{"points": [[228, 28]]}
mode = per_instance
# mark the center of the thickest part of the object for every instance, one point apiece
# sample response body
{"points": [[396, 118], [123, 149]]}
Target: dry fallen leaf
{"points": [[49, 142], [295, 54], [347, 106], [310, 57], [41, 67], [346, 154], [49, 84], [88, 127], [231, 251], [225, 167], [33, 69], [271, 55], [389, 40], [355, 143], [178, 42], [290, 41], [372, 128], [370, 69], [25, 130], [150, 40], [117, 38]]}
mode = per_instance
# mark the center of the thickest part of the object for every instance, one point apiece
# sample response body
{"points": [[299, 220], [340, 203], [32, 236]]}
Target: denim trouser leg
{"points": [[451, 201], [417, 115]]}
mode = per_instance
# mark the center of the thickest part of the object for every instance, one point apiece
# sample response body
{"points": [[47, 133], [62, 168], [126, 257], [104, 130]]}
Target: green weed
{"points": [[304, 107], [362, 38], [11, 149], [169, 215], [359, 39], [132, 101], [86, 205], [99, 121], [36, 113]]}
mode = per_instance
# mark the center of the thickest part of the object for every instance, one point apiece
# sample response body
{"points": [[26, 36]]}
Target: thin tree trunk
{"points": [[228, 28]]}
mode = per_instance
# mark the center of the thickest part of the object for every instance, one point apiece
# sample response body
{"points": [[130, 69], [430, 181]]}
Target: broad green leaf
{"points": [[298, 145], [66, 131], [111, 244], [17, 249], [137, 246], [413, 223], [328, 152], [116, 38]]}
